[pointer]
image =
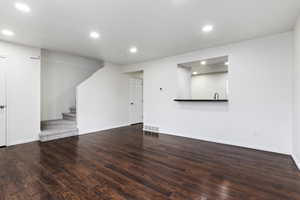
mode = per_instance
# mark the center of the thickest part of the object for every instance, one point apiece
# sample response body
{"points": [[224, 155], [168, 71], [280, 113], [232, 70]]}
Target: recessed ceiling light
{"points": [[226, 63], [7, 32], [195, 73], [94, 35], [207, 28], [133, 50], [203, 62], [22, 7]]}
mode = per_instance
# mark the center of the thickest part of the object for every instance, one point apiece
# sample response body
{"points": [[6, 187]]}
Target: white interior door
{"points": [[136, 101], [2, 103]]}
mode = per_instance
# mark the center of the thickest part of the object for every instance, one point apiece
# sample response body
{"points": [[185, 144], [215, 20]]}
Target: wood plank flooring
{"points": [[124, 163]]}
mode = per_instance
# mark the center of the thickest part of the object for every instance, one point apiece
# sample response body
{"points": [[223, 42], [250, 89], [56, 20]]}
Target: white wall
{"points": [[296, 122], [102, 100], [23, 92], [184, 77], [206, 85], [61, 73], [259, 113]]}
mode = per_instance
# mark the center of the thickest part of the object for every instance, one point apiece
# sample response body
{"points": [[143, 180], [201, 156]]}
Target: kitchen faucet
{"points": [[216, 96]]}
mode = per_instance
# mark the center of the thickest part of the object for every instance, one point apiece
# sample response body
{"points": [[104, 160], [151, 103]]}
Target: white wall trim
{"points": [[236, 144], [162, 133], [92, 131], [296, 160], [34, 139]]}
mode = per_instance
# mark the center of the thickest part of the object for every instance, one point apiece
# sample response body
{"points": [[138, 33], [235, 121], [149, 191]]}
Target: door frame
{"points": [[3, 59], [130, 77]]}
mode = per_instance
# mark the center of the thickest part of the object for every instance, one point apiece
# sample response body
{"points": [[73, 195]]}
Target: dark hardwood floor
{"points": [[126, 164]]}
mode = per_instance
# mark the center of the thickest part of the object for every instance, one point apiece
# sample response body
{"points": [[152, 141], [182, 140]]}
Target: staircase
{"points": [[60, 128]]}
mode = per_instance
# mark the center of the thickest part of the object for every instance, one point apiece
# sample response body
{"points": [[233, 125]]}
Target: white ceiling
{"points": [[158, 28]]}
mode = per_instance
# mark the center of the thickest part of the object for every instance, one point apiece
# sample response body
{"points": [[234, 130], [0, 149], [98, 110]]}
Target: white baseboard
{"points": [[91, 131], [155, 132], [29, 140], [243, 145], [296, 160]]}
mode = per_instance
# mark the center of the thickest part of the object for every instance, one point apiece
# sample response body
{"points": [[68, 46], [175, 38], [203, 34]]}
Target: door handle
{"points": [[2, 106]]}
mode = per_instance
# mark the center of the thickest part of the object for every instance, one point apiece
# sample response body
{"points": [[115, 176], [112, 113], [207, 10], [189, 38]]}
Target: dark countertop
{"points": [[201, 100]]}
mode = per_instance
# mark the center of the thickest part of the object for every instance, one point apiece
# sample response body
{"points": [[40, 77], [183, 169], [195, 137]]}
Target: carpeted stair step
{"points": [[73, 109], [53, 134], [59, 123], [69, 116]]}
